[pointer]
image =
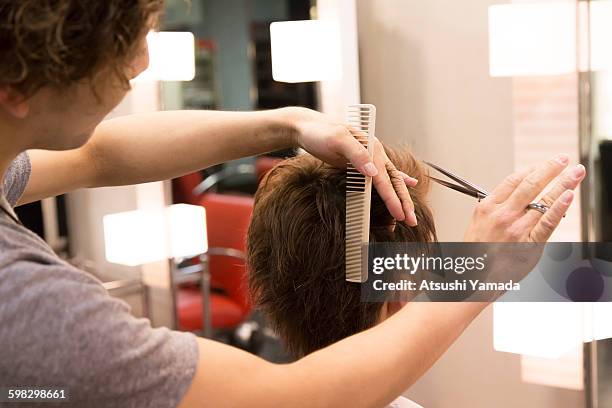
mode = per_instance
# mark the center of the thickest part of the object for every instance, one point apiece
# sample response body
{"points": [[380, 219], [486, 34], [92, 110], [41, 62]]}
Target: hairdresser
{"points": [[65, 65]]}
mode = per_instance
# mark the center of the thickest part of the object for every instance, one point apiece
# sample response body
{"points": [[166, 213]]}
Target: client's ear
{"points": [[14, 102], [389, 309], [393, 307]]}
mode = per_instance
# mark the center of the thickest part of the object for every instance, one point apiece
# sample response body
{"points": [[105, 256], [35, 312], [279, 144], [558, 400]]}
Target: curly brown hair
{"points": [[295, 250], [60, 42]]}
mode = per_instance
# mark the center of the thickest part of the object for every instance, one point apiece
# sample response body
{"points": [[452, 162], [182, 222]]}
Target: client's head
{"points": [[296, 250]]}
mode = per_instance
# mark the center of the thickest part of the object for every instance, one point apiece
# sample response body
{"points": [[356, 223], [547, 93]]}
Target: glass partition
{"points": [[596, 144]]}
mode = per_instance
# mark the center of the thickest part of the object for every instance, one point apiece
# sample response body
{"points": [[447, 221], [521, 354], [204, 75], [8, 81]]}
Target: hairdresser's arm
{"points": [[366, 370], [163, 145]]}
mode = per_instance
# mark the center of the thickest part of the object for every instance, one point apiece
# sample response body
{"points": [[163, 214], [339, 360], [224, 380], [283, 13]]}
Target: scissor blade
{"points": [[480, 193], [457, 187]]}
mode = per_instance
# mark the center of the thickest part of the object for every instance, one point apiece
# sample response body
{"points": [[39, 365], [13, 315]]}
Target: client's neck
{"points": [[11, 144]]}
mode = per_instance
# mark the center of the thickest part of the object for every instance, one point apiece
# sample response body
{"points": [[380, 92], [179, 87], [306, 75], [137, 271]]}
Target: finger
{"points": [[356, 153], [410, 181], [569, 180], [510, 183], [399, 184], [383, 185], [533, 184], [551, 219]]}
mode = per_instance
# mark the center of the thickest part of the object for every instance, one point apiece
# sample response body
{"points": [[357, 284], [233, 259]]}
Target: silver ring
{"points": [[538, 207]]}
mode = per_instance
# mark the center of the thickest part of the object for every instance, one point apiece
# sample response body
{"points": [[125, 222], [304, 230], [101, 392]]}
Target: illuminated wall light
{"points": [[601, 34], [306, 51], [187, 230], [143, 236], [549, 337], [171, 57], [134, 238], [532, 39], [597, 324], [540, 38], [547, 330]]}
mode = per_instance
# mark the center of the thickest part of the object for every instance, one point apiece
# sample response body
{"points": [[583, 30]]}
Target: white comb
{"points": [[359, 197]]}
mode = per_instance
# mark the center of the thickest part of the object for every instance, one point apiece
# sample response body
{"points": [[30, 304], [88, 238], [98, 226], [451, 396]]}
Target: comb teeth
{"points": [[358, 197]]}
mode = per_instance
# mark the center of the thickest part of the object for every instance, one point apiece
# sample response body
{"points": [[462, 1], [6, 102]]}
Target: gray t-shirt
{"points": [[59, 327]]}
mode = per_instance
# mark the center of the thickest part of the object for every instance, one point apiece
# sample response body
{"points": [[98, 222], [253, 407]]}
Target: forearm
{"points": [[163, 145], [373, 368], [369, 369]]}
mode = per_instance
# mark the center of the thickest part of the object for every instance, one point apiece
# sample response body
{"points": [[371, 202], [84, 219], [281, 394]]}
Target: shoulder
{"points": [[41, 286], [61, 325]]}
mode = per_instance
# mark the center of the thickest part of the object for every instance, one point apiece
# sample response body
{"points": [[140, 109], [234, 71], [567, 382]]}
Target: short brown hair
{"points": [[296, 250], [59, 42]]}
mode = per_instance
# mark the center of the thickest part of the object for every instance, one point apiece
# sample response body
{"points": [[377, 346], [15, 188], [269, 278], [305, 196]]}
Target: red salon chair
{"points": [[227, 220], [189, 188]]}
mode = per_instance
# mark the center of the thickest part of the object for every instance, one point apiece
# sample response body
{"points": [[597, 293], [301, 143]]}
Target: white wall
{"points": [[424, 64]]}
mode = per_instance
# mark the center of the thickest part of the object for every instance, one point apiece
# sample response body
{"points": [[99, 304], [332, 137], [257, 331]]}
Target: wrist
{"points": [[284, 125]]}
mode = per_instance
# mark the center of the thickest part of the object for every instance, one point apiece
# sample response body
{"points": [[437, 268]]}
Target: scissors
{"points": [[471, 189]]}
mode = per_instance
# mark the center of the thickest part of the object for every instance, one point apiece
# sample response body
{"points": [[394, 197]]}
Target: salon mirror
{"points": [[233, 71]]}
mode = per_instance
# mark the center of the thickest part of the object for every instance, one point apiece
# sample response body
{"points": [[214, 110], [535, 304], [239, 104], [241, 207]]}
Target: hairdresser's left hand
{"points": [[503, 216], [334, 143]]}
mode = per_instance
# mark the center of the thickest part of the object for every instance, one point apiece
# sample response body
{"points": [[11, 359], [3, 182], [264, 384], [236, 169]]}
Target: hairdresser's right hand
{"points": [[334, 143], [503, 215]]}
